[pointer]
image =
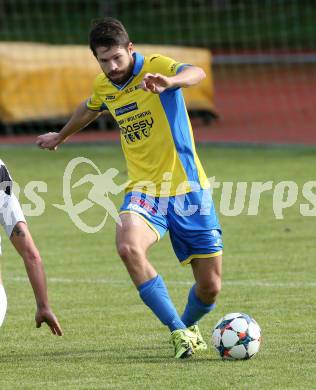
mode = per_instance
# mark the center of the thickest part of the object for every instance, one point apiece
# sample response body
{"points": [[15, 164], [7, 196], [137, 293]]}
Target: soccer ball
{"points": [[237, 336]]}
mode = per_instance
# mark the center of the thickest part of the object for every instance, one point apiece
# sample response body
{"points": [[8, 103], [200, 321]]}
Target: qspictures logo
{"points": [[232, 198], [102, 186]]}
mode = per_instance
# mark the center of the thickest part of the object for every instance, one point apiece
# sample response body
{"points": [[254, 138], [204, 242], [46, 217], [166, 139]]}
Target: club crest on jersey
{"points": [[127, 108]]}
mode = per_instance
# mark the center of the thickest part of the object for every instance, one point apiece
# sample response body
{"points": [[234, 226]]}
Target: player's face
{"points": [[116, 62]]}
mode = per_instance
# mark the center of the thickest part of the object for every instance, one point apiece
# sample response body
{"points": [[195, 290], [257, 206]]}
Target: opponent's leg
{"points": [[134, 237]]}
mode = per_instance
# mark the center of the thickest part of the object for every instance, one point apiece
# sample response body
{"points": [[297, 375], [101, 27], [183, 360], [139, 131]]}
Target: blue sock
{"points": [[195, 309], [155, 295]]}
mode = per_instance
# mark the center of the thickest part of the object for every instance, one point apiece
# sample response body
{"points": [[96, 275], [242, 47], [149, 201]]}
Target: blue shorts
{"points": [[190, 218]]}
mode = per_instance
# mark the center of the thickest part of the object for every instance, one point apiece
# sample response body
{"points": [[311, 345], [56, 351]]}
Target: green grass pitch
{"points": [[111, 340]]}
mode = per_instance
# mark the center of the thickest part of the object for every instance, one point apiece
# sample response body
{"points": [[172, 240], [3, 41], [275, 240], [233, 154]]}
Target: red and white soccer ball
{"points": [[237, 336]]}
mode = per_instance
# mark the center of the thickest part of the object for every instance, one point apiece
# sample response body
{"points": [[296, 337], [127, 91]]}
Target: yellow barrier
{"points": [[41, 81]]}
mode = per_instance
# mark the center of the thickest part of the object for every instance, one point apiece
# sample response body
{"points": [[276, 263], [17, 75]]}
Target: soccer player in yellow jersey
{"points": [[168, 188]]}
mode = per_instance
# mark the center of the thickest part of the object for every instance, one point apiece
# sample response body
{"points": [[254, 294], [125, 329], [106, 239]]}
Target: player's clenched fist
{"points": [[155, 83], [48, 141]]}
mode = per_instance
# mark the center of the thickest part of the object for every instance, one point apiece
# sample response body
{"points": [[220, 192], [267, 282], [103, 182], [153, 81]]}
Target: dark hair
{"points": [[107, 32]]}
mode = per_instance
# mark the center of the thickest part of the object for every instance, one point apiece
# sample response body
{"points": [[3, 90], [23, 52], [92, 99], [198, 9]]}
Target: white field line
{"points": [[242, 283]]}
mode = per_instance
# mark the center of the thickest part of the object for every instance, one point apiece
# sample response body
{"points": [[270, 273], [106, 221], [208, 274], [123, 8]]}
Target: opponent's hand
{"points": [[48, 141], [46, 315], [155, 83]]}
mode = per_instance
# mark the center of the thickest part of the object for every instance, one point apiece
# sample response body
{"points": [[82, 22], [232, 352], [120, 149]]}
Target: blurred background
{"points": [[259, 55]]}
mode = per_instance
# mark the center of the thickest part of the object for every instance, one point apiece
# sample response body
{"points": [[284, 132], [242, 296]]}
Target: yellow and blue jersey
{"points": [[156, 133]]}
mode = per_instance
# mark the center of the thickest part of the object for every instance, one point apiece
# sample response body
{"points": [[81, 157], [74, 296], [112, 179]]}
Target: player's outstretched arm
{"points": [[80, 119], [157, 83], [22, 240]]}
